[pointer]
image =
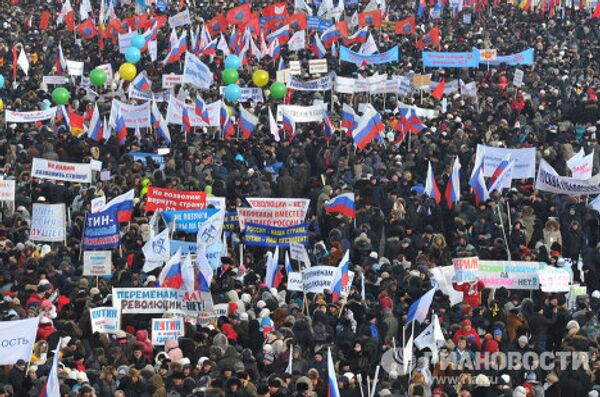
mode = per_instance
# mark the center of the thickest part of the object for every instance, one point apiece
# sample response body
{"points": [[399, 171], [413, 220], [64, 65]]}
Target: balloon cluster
{"points": [[260, 78]]}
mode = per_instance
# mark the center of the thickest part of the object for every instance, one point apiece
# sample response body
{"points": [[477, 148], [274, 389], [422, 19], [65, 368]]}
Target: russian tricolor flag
{"points": [[358, 37], [160, 125], [95, 131], [289, 125], [317, 47], [282, 34], [201, 110], [170, 276], [332, 386], [205, 275], [124, 205], [141, 82], [226, 125], [51, 387], [328, 127], [340, 278], [342, 204], [247, 122], [185, 119], [431, 187], [453, 187], [349, 119], [331, 35], [273, 276], [369, 126], [501, 177], [121, 129], [478, 184]]}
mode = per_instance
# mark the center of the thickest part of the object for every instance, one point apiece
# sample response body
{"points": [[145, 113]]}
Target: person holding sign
{"points": [[471, 291]]}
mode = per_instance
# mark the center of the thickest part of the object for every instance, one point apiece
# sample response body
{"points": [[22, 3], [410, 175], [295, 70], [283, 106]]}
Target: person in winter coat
{"points": [[45, 328], [468, 332], [173, 350], [106, 385], [551, 387], [141, 337], [552, 235], [471, 291], [16, 377], [539, 326]]}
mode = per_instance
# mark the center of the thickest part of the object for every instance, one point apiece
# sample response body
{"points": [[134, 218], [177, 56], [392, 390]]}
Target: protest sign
{"points": [[294, 281], [143, 95], [295, 68], [421, 80], [518, 78], [101, 230], [48, 222], [451, 59], [97, 263], [270, 216], [96, 165], [492, 156], [317, 66], [488, 55], [520, 58], [54, 80], [188, 221], [554, 279], [320, 84], [166, 328], [171, 199], [316, 279], [58, 170], [175, 111], [280, 203], [142, 157], [348, 55], [271, 236], [7, 190], [185, 247], [301, 114], [180, 19], [313, 22], [12, 116], [575, 291], [548, 180], [97, 204], [171, 80], [136, 116], [442, 277], [125, 41], [75, 68], [466, 18], [105, 320], [465, 269], [17, 339], [162, 300], [248, 94], [510, 274], [298, 253], [231, 220]]}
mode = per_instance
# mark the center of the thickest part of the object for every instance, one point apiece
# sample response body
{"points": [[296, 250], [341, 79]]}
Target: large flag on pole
{"points": [[418, 310]]}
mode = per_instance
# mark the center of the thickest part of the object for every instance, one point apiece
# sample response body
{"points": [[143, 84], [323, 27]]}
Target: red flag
{"points": [[438, 91], [100, 36], [406, 26], [87, 30], [137, 21], [254, 24], [592, 97], [273, 24], [70, 21], [14, 51], [596, 13], [342, 26], [44, 20], [239, 15], [217, 25], [371, 18], [275, 10], [297, 21], [432, 37], [112, 30], [161, 19]]}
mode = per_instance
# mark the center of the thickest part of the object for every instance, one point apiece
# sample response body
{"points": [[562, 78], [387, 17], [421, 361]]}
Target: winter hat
{"points": [[523, 339], [596, 294], [482, 381], [593, 393], [572, 327], [520, 391]]}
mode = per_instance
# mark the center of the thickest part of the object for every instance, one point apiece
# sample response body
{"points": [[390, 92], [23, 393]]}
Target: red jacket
{"points": [[471, 293], [44, 331], [470, 334]]}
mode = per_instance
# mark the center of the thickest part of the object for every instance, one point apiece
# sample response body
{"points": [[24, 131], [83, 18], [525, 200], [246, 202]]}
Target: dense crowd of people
{"points": [[398, 236]]}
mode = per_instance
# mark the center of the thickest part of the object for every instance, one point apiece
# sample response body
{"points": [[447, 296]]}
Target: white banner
{"points": [[171, 80], [162, 300], [30, 117], [175, 110], [125, 41], [548, 180], [60, 171], [54, 80], [554, 279], [177, 20], [581, 165], [524, 160], [196, 73], [294, 282], [17, 339], [105, 320], [75, 68], [97, 263], [7, 190], [142, 95], [136, 116], [443, 276], [316, 279], [48, 222], [302, 114], [321, 84], [248, 94], [316, 66], [166, 328]]}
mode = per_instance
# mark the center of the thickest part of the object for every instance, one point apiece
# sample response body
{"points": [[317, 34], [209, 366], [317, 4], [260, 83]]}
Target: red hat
{"points": [[467, 322]]}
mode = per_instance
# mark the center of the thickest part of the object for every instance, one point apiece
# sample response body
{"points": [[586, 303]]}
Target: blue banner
{"points": [[520, 58], [101, 230], [231, 221], [348, 55], [271, 236], [186, 247], [350, 3], [450, 59], [317, 23], [141, 156], [188, 221]]}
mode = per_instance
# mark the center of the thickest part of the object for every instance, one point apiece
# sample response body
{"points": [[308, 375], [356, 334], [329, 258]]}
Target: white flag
{"points": [[298, 41], [581, 165], [369, 47], [222, 45], [152, 50], [85, 8], [153, 224], [210, 231], [300, 5], [407, 354], [23, 62], [66, 8], [290, 360], [273, 126], [187, 273], [52, 382], [156, 250], [324, 8], [23, 331]]}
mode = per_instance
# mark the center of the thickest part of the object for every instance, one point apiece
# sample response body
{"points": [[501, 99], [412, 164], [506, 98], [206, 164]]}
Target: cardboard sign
{"points": [[465, 269], [171, 80], [421, 80], [97, 263], [316, 279], [317, 66], [105, 320], [166, 328], [294, 281], [295, 67], [518, 78]]}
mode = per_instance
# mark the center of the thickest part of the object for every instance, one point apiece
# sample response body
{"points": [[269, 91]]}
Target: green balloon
{"points": [[230, 76], [60, 95], [98, 77], [278, 90]]}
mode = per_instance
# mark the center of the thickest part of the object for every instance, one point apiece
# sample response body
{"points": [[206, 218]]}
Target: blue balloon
{"points": [[233, 61], [133, 55], [233, 92], [138, 41], [1, 81]]}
